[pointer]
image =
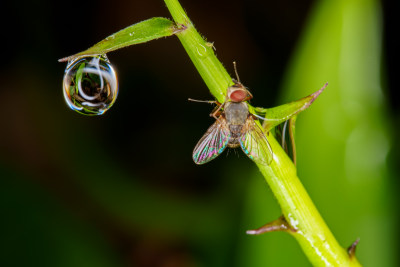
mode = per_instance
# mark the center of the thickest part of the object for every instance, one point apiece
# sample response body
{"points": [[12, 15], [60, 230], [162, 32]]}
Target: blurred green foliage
{"points": [[108, 191], [343, 141], [38, 232]]}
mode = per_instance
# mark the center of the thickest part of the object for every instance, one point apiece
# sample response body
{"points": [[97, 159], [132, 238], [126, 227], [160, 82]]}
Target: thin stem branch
{"points": [[313, 235]]}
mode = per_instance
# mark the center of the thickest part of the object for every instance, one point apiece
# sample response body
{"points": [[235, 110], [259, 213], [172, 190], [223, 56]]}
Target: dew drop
{"points": [[201, 50], [90, 85]]}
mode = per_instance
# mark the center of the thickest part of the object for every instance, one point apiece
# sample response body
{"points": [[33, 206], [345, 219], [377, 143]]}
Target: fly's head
{"points": [[238, 93]]}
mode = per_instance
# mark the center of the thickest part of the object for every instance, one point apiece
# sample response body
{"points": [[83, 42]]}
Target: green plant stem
{"points": [[313, 235], [201, 53]]}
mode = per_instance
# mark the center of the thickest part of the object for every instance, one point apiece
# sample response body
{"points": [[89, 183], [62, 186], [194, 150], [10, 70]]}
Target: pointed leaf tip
{"points": [[252, 232], [277, 115], [279, 224], [352, 249], [317, 93]]}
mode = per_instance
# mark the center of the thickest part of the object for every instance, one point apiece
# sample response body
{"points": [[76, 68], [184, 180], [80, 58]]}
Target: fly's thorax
{"points": [[236, 113]]}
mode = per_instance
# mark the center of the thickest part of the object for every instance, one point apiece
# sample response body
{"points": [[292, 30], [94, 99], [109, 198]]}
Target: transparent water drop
{"points": [[90, 85]]}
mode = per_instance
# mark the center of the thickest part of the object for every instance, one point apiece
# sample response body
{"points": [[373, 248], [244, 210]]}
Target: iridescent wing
{"points": [[254, 143], [213, 142]]}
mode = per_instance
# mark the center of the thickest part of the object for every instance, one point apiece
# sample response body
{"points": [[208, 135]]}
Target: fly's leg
{"points": [[203, 101], [217, 110]]}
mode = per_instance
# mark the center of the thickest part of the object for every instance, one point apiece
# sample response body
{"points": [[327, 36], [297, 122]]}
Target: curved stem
{"points": [[313, 235]]}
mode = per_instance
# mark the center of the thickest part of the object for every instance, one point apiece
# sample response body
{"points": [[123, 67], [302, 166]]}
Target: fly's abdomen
{"points": [[235, 130], [235, 135]]}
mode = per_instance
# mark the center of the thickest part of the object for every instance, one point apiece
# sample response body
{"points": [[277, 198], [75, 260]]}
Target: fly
{"points": [[234, 127]]}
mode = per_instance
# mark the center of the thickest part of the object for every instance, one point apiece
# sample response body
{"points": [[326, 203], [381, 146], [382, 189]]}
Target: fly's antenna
{"points": [[237, 75]]}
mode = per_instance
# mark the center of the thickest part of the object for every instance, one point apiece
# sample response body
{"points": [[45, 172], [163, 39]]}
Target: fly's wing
{"points": [[254, 143], [213, 142]]}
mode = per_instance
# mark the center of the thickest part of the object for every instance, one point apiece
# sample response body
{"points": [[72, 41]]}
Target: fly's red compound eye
{"points": [[238, 95]]}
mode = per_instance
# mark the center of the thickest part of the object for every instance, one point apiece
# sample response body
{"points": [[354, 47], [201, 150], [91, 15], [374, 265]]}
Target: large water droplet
{"points": [[90, 85]]}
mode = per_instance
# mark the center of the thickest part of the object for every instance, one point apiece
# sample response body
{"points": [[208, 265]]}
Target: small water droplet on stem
{"points": [[90, 85]]}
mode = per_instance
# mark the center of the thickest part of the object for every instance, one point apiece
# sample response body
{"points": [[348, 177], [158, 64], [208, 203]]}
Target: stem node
{"points": [[179, 28], [279, 224], [352, 249]]}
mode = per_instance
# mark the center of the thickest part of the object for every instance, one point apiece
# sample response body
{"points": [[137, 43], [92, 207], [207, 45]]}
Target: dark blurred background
{"points": [[122, 190]]}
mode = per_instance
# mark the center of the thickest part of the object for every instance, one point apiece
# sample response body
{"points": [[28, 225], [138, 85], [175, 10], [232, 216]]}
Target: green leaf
{"points": [[282, 113], [138, 33]]}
